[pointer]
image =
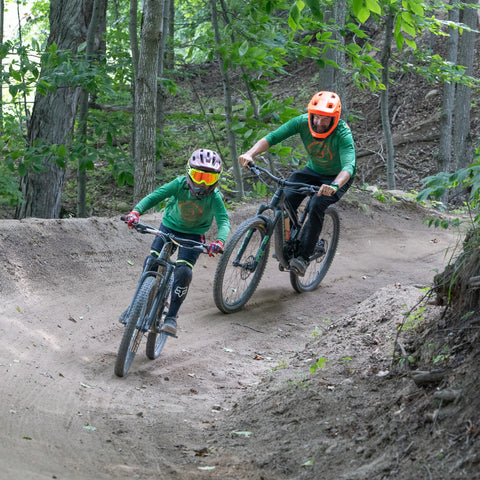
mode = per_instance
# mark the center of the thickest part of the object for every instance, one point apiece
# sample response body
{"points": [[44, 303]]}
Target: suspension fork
{"points": [[270, 224]]}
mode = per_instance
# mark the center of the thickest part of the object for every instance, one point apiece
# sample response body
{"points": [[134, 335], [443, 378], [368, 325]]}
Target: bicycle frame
{"points": [[279, 206], [163, 260]]}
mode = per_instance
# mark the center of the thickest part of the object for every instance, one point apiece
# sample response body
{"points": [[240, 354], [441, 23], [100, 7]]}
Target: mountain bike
{"points": [[146, 312], [245, 254]]}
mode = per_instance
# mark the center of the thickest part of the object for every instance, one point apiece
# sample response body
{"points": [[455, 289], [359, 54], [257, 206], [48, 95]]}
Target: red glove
{"points": [[132, 218], [215, 247]]}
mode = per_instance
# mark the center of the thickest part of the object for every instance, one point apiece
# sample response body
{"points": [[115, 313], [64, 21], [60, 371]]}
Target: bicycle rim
{"points": [[323, 255], [241, 266], [132, 336]]}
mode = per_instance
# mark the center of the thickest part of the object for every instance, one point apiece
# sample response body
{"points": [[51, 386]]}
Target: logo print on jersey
{"points": [[190, 211], [320, 153]]}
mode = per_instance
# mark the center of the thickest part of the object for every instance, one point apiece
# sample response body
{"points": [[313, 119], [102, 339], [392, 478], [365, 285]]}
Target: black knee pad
{"points": [[182, 278]]}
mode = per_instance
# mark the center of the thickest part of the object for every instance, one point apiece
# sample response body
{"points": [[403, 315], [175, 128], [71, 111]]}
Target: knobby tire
{"points": [[319, 265], [132, 336], [156, 339], [234, 284]]}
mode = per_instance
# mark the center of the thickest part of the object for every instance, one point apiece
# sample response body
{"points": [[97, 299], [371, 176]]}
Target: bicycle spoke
{"points": [[322, 256]]}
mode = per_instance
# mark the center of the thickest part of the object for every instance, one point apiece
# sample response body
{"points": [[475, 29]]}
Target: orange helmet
{"points": [[326, 104]]}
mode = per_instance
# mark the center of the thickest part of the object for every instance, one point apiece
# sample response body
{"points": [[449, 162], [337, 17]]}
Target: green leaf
{"points": [[243, 48], [373, 6], [314, 6], [61, 150], [363, 15]]}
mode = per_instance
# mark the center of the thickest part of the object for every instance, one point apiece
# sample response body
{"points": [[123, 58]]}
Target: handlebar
{"points": [[304, 188], [179, 241]]}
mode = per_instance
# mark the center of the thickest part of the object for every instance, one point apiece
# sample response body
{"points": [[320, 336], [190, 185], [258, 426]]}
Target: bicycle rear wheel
{"points": [[241, 266], [132, 336], [156, 339], [323, 255]]}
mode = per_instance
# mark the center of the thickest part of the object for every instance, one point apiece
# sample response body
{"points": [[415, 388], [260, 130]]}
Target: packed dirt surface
{"points": [[234, 396]]}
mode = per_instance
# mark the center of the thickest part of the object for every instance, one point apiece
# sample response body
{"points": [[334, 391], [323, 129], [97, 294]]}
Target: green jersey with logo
{"points": [[185, 213], [326, 156]]}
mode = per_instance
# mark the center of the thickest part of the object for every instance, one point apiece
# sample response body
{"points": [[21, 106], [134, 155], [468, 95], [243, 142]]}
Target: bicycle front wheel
{"points": [[132, 336], [241, 266], [323, 255], [155, 338]]}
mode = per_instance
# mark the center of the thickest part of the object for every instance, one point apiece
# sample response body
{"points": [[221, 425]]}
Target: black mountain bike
{"points": [[245, 255], [146, 312]]}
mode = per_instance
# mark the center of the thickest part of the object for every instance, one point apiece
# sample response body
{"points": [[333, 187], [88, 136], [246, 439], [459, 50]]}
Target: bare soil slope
{"points": [[233, 397]]}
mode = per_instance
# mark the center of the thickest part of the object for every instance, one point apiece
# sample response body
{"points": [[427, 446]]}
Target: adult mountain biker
{"points": [[194, 202], [331, 163]]}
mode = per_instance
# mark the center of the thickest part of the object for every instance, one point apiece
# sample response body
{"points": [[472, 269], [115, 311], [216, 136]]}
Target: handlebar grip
{"points": [[253, 168], [122, 218]]}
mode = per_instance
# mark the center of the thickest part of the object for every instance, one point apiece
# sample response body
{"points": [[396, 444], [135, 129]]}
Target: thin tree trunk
{"points": [[446, 116], [227, 94], [99, 6], [339, 81], [326, 74], [384, 106], [170, 56], [462, 142], [132, 28], [146, 99], [20, 42], [161, 94]]}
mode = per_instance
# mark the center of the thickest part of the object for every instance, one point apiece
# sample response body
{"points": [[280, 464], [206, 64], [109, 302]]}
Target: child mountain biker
{"points": [[194, 201], [331, 163]]}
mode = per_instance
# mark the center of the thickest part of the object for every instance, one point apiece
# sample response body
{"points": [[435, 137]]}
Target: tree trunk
{"points": [[462, 142], [93, 37], [53, 115], [146, 99], [446, 116], [326, 74], [339, 77], [170, 56], [161, 93], [384, 107], [227, 94], [132, 29]]}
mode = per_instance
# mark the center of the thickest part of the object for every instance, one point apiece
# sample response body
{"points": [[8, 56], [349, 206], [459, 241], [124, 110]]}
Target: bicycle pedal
{"points": [[169, 334]]}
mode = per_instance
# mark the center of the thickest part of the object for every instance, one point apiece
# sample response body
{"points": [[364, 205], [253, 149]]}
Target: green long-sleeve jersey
{"points": [[328, 156], [185, 213]]}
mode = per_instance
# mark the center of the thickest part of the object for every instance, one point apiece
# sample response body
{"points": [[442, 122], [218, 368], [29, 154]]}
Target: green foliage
{"points": [[413, 319], [257, 40], [466, 179], [9, 192], [443, 357], [320, 363]]}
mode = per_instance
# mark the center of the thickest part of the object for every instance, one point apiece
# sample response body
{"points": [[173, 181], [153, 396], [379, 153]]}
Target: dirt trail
{"points": [[64, 414]]}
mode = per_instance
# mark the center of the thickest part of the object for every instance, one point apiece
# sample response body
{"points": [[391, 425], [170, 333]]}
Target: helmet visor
{"points": [[199, 176]]}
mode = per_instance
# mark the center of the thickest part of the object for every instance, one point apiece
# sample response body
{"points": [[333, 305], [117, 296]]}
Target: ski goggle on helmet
{"points": [[326, 104], [203, 172]]}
